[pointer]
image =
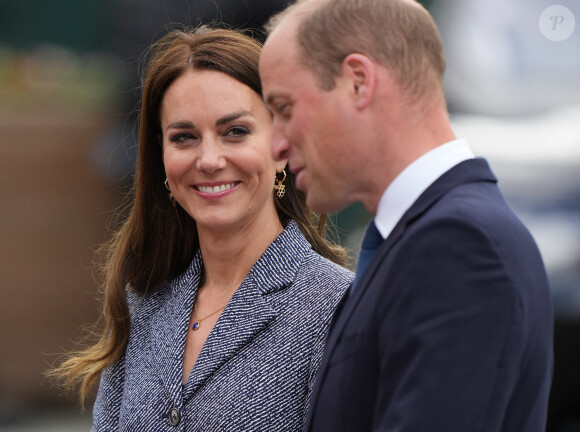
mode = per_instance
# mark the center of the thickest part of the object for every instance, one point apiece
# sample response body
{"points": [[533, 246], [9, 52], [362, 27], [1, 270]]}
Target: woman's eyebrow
{"points": [[184, 124], [233, 116]]}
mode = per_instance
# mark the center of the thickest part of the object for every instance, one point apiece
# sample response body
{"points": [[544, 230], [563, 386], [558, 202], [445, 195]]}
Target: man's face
{"points": [[310, 126]]}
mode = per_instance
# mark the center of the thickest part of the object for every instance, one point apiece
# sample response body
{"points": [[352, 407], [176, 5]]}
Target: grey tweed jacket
{"points": [[257, 367]]}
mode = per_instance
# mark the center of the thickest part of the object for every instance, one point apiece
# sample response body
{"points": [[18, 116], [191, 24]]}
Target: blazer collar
{"points": [[247, 313], [469, 171], [278, 266]]}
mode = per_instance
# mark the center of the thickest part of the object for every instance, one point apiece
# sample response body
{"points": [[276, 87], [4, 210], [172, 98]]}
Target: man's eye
{"points": [[281, 108]]}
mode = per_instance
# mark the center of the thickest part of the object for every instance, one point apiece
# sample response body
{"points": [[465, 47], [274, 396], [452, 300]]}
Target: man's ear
{"points": [[359, 71]]}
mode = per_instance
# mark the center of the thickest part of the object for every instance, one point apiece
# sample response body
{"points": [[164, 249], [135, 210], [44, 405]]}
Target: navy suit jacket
{"points": [[450, 327]]}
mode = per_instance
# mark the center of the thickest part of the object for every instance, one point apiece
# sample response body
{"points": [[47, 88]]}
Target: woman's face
{"points": [[216, 137]]}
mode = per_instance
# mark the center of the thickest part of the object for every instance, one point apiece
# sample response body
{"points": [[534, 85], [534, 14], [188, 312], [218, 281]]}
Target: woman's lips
{"points": [[216, 189]]}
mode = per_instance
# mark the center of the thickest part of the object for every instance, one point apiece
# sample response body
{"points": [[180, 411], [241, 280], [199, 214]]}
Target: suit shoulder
{"points": [[480, 203], [480, 207], [464, 242]]}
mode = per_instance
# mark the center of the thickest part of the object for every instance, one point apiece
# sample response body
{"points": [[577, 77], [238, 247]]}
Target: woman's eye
{"points": [[237, 132], [181, 137]]}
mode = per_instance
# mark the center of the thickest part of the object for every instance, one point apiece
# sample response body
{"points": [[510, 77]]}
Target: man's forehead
{"points": [[279, 47], [284, 34]]}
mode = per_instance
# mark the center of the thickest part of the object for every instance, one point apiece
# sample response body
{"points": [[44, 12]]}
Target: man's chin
{"points": [[321, 203]]}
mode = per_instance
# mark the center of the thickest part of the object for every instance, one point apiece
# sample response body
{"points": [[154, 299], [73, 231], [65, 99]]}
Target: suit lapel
{"points": [[472, 170]]}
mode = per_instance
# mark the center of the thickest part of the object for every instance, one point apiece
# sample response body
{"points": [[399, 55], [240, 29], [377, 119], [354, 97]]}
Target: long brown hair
{"points": [[157, 241]]}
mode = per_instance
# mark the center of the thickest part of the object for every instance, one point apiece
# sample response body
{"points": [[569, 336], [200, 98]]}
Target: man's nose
{"points": [[279, 146]]}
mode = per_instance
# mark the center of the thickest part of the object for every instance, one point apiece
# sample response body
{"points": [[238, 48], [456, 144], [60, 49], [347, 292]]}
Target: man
{"points": [[449, 328]]}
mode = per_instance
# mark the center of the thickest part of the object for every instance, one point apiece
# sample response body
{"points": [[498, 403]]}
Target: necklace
{"points": [[197, 323]]}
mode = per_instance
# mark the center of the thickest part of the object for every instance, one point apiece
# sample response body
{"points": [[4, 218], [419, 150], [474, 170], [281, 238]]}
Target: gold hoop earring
{"points": [[171, 197], [279, 185]]}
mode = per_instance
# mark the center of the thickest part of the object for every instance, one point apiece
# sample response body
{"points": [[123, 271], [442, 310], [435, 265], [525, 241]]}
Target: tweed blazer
{"points": [[257, 367]]}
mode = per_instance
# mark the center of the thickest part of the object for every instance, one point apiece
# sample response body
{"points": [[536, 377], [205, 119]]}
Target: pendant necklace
{"points": [[197, 323]]}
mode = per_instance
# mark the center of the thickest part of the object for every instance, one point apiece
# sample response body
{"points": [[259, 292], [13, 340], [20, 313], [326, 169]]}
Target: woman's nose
{"points": [[211, 157]]}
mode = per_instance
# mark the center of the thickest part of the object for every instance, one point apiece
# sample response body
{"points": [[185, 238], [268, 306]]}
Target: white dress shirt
{"points": [[415, 179]]}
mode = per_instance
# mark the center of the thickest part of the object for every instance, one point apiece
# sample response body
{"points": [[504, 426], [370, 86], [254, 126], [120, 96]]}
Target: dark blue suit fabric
{"points": [[450, 328]]}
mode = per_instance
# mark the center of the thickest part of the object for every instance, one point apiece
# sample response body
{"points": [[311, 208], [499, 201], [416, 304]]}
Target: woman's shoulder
{"points": [[313, 265], [145, 304], [317, 288], [158, 296], [291, 262], [321, 271], [293, 247]]}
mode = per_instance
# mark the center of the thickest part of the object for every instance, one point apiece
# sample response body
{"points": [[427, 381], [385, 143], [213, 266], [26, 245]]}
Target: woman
{"points": [[219, 289]]}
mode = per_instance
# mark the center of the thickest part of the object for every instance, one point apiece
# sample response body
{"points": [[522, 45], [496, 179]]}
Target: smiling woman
{"points": [[216, 135], [220, 286]]}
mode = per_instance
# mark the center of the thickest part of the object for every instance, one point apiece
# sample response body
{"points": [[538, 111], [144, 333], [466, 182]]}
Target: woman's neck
{"points": [[228, 256]]}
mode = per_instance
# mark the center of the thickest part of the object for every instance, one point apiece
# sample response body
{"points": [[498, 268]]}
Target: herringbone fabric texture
{"points": [[257, 367]]}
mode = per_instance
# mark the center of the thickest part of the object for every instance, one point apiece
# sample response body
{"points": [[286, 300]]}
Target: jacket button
{"points": [[174, 416]]}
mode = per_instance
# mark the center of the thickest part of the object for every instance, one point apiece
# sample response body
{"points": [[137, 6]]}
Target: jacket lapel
{"points": [[246, 315], [169, 328], [472, 170], [249, 310]]}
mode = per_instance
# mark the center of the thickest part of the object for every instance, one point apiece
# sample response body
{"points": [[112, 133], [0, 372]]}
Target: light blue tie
{"points": [[370, 244]]}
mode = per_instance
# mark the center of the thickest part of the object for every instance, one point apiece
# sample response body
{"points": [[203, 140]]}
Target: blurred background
{"points": [[69, 88]]}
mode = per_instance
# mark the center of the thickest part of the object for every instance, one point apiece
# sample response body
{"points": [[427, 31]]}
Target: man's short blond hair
{"points": [[399, 34]]}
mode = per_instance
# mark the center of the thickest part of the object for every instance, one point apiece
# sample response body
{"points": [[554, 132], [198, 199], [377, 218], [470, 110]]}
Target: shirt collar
{"points": [[415, 179]]}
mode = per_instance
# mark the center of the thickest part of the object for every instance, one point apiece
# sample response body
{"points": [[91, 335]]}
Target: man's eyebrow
{"points": [[233, 116], [270, 100]]}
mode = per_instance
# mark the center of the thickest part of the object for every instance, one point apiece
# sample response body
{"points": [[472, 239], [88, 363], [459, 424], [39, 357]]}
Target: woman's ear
{"points": [[359, 71]]}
